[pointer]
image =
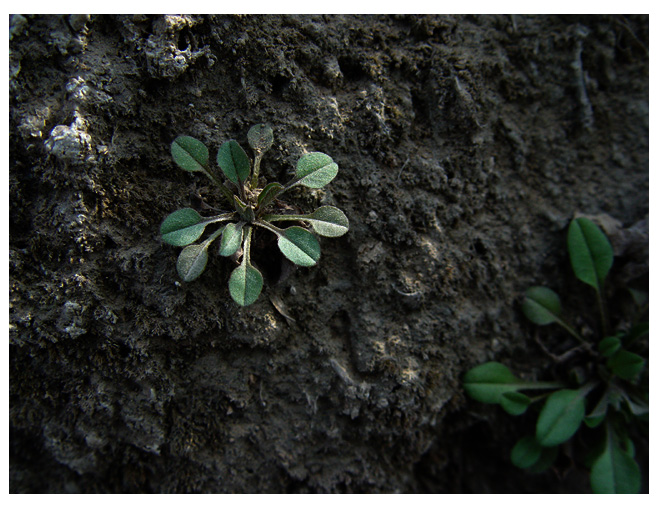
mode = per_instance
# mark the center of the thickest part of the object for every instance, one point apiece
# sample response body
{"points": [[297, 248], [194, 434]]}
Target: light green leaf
{"points": [[260, 137], [233, 161], [299, 246], [231, 240], [526, 452], [488, 382], [515, 403], [541, 305], [189, 153], [560, 417], [329, 221], [608, 346], [625, 364], [590, 252], [182, 227], [317, 169], [269, 193], [615, 472], [192, 262], [245, 284]]}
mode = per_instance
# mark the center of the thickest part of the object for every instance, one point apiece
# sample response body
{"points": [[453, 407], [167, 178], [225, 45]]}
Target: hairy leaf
{"points": [[560, 417], [526, 452], [317, 169], [615, 471], [192, 262], [182, 227], [329, 221], [625, 364], [299, 246], [189, 153], [541, 305], [590, 252], [231, 240], [489, 381], [245, 284], [233, 161], [260, 137], [269, 193]]}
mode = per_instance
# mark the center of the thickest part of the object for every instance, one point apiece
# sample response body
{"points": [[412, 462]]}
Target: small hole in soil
{"points": [[279, 85]]}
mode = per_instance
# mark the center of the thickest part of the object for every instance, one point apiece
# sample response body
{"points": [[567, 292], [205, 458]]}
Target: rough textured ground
{"points": [[465, 145]]}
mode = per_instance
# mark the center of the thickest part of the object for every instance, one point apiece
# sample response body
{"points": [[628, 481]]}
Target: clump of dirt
{"points": [[465, 145]]}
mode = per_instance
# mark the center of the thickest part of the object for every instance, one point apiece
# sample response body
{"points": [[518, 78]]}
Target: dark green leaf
{"points": [[299, 246], [597, 415], [329, 221], [182, 227], [560, 417], [317, 169], [636, 332], [541, 305], [526, 452], [639, 297], [233, 161], [260, 137], [189, 153], [515, 403], [231, 240], [590, 252], [269, 193], [192, 262], [615, 472], [489, 381], [625, 364], [245, 284], [546, 459], [608, 346]]}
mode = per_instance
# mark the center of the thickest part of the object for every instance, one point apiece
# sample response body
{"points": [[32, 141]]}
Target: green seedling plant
{"points": [[609, 394], [252, 207]]}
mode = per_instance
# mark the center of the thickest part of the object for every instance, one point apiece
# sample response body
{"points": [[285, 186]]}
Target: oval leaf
{"points": [[233, 161], [182, 227], [317, 169], [269, 193], [260, 137], [245, 284], [608, 346], [526, 452], [590, 252], [300, 246], [489, 381], [189, 153], [192, 262], [626, 365], [515, 403], [615, 472], [231, 240], [541, 305], [329, 221], [560, 417]]}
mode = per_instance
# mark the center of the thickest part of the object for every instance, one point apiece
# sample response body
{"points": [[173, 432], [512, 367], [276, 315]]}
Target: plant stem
{"points": [[225, 191], [570, 330], [604, 320], [213, 236], [247, 246], [286, 218], [254, 177], [269, 227]]}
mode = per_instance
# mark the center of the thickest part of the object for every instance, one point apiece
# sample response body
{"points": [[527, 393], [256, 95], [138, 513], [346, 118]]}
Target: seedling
{"points": [[609, 393], [252, 207]]}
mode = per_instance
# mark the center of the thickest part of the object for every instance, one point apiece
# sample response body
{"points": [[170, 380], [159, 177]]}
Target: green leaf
{"points": [[590, 252], [639, 297], [526, 452], [192, 262], [189, 153], [597, 415], [608, 346], [299, 246], [615, 471], [269, 193], [260, 137], [317, 169], [541, 305], [233, 161], [329, 221], [488, 382], [182, 227], [245, 284], [560, 417], [636, 332], [231, 240], [546, 459], [625, 364], [515, 403]]}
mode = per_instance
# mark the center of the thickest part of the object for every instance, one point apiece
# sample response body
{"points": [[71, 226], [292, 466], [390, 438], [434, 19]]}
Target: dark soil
{"points": [[465, 145]]}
